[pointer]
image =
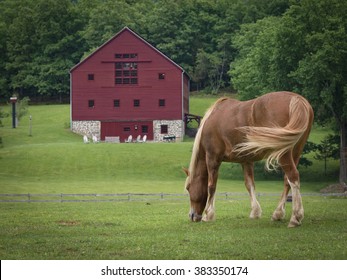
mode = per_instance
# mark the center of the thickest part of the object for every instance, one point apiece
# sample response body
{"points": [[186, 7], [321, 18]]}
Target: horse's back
{"points": [[272, 109], [222, 129]]}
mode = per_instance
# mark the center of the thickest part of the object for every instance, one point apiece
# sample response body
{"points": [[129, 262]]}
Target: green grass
{"points": [[53, 160], [160, 230]]}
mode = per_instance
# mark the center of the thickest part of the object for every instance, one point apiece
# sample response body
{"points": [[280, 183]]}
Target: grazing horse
{"points": [[274, 127]]}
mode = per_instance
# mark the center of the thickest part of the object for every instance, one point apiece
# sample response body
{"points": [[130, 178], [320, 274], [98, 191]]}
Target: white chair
{"points": [[95, 139], [138, 139], [144, 139], [129, 140], [85, 139]]}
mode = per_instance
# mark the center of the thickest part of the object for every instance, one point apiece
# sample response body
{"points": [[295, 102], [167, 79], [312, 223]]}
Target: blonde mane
{"points": [[196, 146]]}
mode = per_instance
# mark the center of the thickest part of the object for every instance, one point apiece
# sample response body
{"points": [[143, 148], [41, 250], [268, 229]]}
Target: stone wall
{"points": [[175, 128], [88, 128]]}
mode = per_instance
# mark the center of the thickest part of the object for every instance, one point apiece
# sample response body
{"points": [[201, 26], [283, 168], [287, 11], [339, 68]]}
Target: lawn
{"points": [[160, 230], [53, 161]]}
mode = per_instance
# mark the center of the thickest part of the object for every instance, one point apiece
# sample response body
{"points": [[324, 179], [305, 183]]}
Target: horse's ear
{"points": [[186, 171]]}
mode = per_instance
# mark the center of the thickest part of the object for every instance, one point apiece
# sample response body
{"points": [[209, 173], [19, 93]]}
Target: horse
{"points": [[274, 126]]}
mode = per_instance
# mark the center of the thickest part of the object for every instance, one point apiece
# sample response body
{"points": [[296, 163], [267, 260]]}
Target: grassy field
{"points": [[160, 230], [54, 161]]}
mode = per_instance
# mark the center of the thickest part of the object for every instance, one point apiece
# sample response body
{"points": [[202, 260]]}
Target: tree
{"points": [[322, 71], [42, 44], [328, 148], [305, 51], [106, 18], [209, 69]]}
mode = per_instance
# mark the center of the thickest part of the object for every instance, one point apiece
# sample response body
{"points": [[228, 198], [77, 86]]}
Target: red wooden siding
{"points": [[124, 129], [103, 90]]}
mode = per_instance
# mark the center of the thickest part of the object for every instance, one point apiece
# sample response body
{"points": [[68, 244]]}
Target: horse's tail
{"points": [[274, 142]]}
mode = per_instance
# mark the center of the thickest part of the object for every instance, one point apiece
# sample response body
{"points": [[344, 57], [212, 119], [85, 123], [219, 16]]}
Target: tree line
{"points": [[249, 46], [41, 40]]}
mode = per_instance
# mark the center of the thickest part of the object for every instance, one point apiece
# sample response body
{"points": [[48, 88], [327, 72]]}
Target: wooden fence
{"points": [[133, 197]]}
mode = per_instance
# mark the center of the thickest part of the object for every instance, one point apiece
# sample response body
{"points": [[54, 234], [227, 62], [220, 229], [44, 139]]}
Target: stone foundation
{"points": [[88, 128], [175, 128]]}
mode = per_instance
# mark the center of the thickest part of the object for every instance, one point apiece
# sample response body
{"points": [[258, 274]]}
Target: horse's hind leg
{"points": [[293, 178], [248, 173], [279, 213]]}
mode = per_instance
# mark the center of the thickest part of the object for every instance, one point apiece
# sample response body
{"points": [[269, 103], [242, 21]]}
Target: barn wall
{"points": [[103, 90], [126, 128], [149, 89]]}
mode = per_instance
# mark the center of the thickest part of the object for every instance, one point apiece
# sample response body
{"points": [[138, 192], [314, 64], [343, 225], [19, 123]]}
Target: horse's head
{"points": [[197, 189]]}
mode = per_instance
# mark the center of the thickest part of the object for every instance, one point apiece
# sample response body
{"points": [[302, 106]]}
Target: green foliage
{"points": [[41, 40], [42, 44], [305, 51], [328, 149], [22, 107], [2, 115]]}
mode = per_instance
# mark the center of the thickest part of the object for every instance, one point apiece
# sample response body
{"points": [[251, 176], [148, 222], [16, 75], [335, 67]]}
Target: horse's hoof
{"points": [[293, 224], [278, 216], [208, 218], [254, 217]]}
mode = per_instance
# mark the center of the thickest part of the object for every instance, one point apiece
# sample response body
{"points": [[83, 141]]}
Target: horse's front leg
{"points": [[248, 173], [212, 167]]}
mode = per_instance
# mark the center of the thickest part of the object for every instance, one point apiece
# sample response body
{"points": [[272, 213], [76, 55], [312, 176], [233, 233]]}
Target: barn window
{"points": [[91, 103], [161, 102], [136, 102], [125, 55], [116, 103], [90, 77], [164, 129], [126, 129], [161, 76], [126, 73], [144, 128]]}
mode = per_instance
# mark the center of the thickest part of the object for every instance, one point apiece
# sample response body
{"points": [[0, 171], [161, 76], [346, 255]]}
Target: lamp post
{"points": [[13, 101]]}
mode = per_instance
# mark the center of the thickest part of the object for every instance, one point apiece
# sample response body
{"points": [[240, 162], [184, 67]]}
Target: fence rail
{"points": [[28, 197]]}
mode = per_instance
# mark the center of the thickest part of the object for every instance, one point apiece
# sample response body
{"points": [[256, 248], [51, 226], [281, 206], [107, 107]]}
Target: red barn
{"points": [[128, 87]]}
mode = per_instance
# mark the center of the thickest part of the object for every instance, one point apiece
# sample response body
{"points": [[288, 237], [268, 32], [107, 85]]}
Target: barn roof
{"points": [[136, 35]]}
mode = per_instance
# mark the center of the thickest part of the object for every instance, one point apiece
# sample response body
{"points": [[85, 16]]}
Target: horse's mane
{"points": [[196, 146]]}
